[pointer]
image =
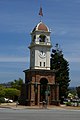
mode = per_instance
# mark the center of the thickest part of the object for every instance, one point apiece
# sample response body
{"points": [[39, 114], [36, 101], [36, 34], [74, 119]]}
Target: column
{"points": [[32, 101], [38, 94]]}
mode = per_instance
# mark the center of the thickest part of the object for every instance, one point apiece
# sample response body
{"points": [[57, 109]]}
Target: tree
{"points": [[11, 93], [78, 91], [61, 67], [17, 84], [73, 91], [2, 93]]}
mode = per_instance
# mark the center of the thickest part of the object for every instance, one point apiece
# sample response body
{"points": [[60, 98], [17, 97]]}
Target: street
{"points": [[39, 114]]}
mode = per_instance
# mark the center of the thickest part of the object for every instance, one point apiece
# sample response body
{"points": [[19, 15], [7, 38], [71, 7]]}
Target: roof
{"points": [[41, 27]]}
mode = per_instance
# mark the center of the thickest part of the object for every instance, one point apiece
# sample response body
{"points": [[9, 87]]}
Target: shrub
{"points": [[2, 100], [68, 103]]}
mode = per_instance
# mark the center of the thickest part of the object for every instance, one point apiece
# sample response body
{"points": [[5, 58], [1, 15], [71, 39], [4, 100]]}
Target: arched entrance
{"points": [[43, 89]]}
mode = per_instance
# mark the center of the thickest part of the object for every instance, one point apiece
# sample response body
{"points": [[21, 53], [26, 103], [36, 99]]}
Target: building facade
{"points": [[40, 82]]}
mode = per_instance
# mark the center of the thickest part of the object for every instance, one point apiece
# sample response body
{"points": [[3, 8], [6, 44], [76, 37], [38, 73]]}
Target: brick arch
{"points": [[43, 81], [43, 89]]}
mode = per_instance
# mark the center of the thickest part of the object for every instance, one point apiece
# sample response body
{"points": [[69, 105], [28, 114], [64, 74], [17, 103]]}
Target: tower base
{"points": [[39, 86]]}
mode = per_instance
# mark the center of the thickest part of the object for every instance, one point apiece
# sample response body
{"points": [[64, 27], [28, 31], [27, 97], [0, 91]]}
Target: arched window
{"points": [[42, 38], [43, 89]]}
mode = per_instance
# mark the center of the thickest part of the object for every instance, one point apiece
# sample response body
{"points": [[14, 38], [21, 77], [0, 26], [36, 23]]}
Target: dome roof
{"points": [[41, 27]]}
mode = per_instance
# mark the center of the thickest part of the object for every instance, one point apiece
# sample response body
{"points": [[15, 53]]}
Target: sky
{"points": [[19, 17]]}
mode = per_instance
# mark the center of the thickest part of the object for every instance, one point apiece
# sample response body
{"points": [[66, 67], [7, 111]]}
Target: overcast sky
{"points": [[19, 17]]}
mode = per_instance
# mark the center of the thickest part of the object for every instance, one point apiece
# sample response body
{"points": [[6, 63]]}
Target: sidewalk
{"points": [[50, 107]]}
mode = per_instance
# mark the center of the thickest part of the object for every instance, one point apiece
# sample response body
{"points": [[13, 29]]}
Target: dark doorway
{"points": [[43, 89]]}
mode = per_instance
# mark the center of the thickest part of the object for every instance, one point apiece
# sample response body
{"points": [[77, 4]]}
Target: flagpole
{"points": [[40, 18]]}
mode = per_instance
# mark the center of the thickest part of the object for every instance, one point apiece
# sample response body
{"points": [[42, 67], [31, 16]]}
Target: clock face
{"points": [[42, 54]]}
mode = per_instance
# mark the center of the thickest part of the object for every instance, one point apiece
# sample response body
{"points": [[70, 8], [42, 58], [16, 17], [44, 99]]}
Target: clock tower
{"points": [[40, 47], [40, 84]]}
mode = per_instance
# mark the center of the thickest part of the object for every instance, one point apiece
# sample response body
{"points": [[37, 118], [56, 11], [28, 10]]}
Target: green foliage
{"points": [[68, 103], [2, 100], [61, 66], [72, 91], [17, 84], [2, 92], [78, 91], [22, 100], [11, 93]]}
